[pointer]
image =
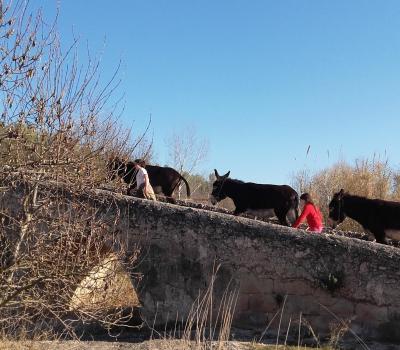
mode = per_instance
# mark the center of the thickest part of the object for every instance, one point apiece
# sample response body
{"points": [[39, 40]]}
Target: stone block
{"points": [[266, 285], [242, 304], [256, 302], [307, 305], [251, 320], [262, 302], [295, 287], [270, 303], [249, 284], [375, 291], [343, 308], [363, 268], [367, 313], [325, 299]]}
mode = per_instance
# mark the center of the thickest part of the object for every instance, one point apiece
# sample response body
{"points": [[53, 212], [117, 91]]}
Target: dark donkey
{"points": [[253, 198], [162, 179], [376, 216]]}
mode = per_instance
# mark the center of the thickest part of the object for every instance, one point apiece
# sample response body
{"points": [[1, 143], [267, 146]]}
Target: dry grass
{"points": [[372, 178], [284, 347], [148, 345], [208, 324]]}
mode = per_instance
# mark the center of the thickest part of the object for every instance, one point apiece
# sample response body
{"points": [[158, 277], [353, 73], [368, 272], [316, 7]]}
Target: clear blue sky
{"points": [[262, 80]]}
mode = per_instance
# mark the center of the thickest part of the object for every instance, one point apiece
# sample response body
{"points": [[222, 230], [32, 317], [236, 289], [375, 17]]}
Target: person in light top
{"points": [[143, 185], [311, 213]]}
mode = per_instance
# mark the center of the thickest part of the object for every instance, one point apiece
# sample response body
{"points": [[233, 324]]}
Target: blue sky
{"points": [[261, 80]]}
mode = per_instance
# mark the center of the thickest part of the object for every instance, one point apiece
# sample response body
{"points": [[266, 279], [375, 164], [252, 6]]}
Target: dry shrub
{"points": [[62, 263], [58, 127], [370, 178]]}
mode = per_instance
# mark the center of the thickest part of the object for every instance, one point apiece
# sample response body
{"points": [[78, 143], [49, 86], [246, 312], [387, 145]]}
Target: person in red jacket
{"points": [[311, 213]]}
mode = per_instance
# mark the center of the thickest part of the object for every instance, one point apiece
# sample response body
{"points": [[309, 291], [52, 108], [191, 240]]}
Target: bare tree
{"points": [[301, 181], [187, 151], [58, 127]]}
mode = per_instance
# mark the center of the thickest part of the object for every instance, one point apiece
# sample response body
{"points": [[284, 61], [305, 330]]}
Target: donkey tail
{"points": [[181, 178], [187, 186]]}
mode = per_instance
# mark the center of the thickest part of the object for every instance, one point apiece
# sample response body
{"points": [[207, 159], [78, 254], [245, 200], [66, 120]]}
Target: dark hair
{"points": [[307, 198], [140, 162]]}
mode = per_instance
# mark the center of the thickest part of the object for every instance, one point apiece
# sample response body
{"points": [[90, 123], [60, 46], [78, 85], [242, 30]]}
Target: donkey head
{"points": [[336, 209], [218, 193]]}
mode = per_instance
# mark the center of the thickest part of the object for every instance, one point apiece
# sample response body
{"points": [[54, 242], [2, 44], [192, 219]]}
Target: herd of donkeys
{"points": [[378, 217]]}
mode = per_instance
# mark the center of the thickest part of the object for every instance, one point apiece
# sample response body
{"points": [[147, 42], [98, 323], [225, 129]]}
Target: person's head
{"points": [[306, 198], [139, 163]]}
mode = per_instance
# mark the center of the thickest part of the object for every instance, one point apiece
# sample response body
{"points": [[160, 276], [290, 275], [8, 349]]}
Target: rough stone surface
{"points": [[278, 271], [327, 279]]}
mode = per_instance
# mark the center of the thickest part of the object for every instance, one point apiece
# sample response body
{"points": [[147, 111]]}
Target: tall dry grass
{"points": [[372, 178], [208, 323]]}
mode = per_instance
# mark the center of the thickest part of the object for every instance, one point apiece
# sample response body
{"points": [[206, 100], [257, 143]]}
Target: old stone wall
{"points": [[282, 275], [328, 280]]}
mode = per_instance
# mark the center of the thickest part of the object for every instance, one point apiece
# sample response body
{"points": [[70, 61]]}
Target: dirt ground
{"points": [[102, 345], [172, 345]]}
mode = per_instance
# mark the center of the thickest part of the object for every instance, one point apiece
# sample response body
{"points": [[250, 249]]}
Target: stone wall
{"points": [[279, 273], [326, 279]]}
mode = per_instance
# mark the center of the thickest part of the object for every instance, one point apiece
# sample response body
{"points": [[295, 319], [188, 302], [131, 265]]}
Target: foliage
{"points": [[332, 281]]}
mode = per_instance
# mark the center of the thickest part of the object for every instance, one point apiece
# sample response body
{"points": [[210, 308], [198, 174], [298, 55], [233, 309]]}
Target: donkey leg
{"points": [[380, 236], [170, 200], [281, 215], [291, 216], [238, 211], [167, 191]]}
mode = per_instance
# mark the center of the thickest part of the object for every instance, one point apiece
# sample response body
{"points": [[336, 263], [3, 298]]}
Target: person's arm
{"points": [[146, 180], [303, 215]]}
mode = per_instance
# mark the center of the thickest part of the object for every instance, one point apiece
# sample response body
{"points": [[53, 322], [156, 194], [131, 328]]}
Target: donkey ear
{"points": [[216, 174]]}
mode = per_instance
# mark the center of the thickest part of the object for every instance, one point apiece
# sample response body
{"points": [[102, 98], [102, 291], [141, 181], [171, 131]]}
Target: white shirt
{"points": [[140, 177]]}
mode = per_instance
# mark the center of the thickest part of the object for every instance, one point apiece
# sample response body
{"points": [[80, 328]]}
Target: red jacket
{"points": [[313, 216]]}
